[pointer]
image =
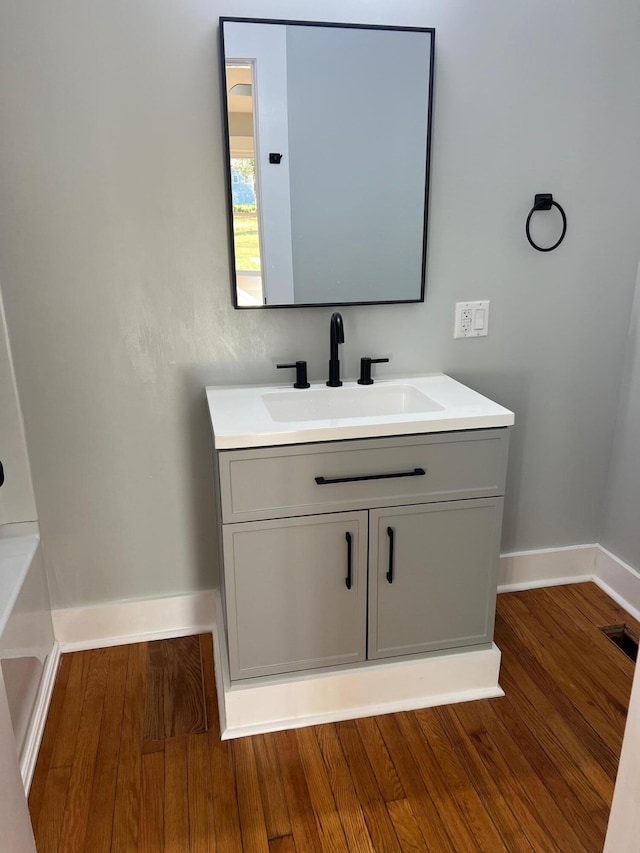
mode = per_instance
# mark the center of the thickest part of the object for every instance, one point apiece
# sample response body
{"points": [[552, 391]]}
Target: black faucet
{"points": [[337, 337]]}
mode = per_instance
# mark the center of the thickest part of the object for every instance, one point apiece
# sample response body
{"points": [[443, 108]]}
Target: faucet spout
{"points": [[337, 337]]}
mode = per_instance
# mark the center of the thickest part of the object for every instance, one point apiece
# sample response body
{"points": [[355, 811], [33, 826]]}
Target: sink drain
{"points": [[624, 638]]}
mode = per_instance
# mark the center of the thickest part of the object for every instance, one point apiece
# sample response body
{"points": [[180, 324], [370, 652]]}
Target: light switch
{"points": [[472, 319]]}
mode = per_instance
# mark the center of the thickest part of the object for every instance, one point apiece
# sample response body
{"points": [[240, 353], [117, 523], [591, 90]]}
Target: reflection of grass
{"points": [[245, 240]]}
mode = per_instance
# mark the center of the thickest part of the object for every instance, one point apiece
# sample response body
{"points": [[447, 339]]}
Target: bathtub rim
{"points": [[19, 543]]}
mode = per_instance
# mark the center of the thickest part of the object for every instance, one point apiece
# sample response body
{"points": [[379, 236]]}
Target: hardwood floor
{"points": [[131, 758]]}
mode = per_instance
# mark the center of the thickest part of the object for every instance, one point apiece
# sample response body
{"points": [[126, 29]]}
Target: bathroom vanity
{"points": [[359, 530], [359, 523]]}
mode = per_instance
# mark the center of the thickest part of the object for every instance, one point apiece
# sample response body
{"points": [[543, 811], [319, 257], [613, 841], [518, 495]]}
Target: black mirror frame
{"points": [[227, 154]]}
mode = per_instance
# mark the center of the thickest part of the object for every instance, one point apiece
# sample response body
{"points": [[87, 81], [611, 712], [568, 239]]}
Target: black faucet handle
{"points": [[365, 369], [301, 373]]}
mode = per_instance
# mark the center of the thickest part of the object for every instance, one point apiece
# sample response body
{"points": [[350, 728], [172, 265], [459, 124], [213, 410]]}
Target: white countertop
{"points": [[240, 417]]}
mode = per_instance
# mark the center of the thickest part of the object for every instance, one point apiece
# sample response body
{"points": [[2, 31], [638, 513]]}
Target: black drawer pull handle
{"points": [[390, 534], [328, 481], [348, 578]]}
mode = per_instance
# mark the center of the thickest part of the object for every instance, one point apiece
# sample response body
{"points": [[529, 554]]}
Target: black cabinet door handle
{"points": [[391, 535], [348, 578], [327, 481]]}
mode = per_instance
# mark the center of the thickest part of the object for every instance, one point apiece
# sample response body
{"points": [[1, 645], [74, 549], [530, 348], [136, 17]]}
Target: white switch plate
{"points": [[472, 319]]}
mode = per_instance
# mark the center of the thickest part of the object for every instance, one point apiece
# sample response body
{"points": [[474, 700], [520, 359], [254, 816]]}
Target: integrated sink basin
{"points": [[322, 403], [263, 416]]}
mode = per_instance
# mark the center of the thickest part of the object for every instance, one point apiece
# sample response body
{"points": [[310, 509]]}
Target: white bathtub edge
{"points": [[17, 553]]}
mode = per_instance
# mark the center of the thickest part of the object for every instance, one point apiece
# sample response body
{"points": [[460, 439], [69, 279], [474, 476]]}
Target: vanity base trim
{"points": [[326, 697]]}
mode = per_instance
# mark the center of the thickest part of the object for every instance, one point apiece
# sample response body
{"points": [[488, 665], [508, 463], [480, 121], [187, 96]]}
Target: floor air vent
{"points": [[624, 638]]}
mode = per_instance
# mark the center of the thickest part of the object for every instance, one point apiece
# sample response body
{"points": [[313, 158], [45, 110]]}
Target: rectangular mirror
{"points": [[328, 131]]}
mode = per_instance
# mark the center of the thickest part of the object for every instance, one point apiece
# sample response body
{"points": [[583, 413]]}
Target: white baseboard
{"points": [[133, 621], [574, 564], [619, 580], [39, 718], [267, 705], [546, 567]]}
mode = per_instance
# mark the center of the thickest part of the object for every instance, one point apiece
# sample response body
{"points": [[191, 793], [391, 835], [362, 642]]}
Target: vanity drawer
{"points": [[279, 482]]}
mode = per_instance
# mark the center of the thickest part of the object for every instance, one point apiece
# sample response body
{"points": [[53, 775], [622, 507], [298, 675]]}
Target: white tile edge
{"points": [[38, 719]]}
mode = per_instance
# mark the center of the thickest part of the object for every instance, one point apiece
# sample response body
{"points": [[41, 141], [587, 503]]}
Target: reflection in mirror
{"points": [[242, 148], [328, 144]]}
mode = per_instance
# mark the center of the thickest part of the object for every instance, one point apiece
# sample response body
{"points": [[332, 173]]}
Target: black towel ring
{"points": [[544, 201]]}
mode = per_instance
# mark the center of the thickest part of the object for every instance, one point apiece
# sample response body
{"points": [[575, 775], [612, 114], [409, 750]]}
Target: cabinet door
{"points": [[433, 576], [292, 601]]}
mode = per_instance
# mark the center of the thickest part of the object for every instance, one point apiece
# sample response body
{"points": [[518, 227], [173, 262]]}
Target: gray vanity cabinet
{"points": [[297, 594], [433, 576], [306, 548]]}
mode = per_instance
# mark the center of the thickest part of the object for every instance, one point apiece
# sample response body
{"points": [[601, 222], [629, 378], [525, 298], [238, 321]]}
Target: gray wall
{"points": [[114, 262], [358, 104], [621, 527]]}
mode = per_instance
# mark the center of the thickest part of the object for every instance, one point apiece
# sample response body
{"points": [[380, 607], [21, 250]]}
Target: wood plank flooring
{"points": [[131, 758]]}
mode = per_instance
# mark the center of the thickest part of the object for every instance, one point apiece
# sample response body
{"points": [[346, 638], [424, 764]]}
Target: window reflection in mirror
{"points": [[244, 186]]}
